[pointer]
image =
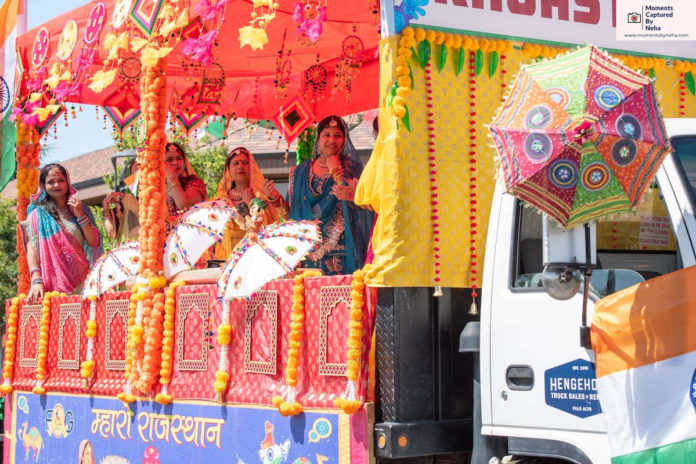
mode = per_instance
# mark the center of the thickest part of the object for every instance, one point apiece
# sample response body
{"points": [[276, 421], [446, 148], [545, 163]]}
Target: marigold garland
{"points": [[152, 198], [153, 328], [8, 366], [168, 342], [87, 366], [43, 341], [27, 156], [349, 402], [131, 345], [287, 405], [224, 338]]}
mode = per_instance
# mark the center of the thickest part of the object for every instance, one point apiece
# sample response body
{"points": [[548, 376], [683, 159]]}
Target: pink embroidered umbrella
{"points": [[580, 136]]}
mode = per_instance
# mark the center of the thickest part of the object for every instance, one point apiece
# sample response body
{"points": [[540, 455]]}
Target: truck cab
{"points": [[538, 387]]}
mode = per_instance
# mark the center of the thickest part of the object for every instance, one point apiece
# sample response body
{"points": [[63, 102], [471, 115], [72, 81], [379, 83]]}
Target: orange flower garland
{"points": [[348, 402], [153, 325], [288, 405], [43, 341], [27, 155], [168, 342], [87, 366], [8, 366], [153, 211]]}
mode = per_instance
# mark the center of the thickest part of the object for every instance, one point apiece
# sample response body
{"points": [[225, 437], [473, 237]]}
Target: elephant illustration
{"points": [[31, 439]]}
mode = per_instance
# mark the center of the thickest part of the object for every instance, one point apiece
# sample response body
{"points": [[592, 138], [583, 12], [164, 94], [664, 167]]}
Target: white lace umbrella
{"points": [[274, 252], [198, 229], [112, 269]]}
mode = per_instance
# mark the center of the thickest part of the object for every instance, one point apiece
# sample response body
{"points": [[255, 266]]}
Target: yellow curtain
{"points": [[396, 182]]}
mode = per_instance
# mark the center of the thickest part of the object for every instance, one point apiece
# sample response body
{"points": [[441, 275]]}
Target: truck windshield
{"points": [[685, 151]]}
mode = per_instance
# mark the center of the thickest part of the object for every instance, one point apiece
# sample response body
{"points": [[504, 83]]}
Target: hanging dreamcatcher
{"points": [[315, 78], [310, 16], [213, 84], [349, 65], [283, 70]]}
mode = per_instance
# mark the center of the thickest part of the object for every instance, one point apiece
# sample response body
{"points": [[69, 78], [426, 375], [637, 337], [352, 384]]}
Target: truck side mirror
{"points": [[567, 253]]}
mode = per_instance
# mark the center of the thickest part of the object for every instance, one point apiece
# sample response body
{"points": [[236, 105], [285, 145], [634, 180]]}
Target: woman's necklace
{"points": [[234, 196]]}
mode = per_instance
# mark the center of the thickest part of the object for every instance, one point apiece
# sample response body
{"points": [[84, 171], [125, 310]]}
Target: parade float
{"points": [[178, 367]]}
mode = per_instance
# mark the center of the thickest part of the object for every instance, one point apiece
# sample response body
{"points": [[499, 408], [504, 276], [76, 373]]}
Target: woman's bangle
{"points": [[37, 281], [83, 221], [34, 269]]}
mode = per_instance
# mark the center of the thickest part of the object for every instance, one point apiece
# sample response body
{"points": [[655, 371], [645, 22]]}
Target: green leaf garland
{"points": [[492, 63], [478, 62], [689, 81], [459, 62], [442, 58]]}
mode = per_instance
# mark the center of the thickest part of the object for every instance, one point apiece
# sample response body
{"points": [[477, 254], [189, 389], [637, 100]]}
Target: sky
{"points": [[86, 133]]}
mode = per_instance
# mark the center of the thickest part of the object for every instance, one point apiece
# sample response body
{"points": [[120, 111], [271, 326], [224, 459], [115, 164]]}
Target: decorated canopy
{"points": [[295, 61]]}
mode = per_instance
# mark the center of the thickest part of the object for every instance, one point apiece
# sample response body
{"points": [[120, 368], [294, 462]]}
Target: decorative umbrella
{"points": [[580, 136], [198, 228], [273, 252], [112, 269]]}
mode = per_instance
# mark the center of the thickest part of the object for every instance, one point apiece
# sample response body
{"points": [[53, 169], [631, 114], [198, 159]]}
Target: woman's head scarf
{"points": [[256, 180]]}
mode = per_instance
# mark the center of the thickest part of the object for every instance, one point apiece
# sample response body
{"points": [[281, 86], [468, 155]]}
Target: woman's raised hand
{"points": [[269, 189], [76, 205]]}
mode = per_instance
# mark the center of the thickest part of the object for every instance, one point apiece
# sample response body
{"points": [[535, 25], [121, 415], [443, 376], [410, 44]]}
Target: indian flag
{"points": [[644, 338], [12, 23]]}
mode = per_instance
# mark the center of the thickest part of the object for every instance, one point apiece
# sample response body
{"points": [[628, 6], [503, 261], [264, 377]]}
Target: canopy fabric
{"points": [[249, 90]]}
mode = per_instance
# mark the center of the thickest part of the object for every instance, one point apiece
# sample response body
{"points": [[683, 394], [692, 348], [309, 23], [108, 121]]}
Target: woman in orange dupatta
{"points": [[241, 182]]}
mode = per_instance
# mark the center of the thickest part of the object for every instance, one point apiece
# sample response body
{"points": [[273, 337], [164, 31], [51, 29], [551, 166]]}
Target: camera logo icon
{"points": [[634, 17]]}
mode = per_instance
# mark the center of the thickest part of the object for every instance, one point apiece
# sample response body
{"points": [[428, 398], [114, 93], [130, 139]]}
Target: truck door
{"points": [[542, 383]]}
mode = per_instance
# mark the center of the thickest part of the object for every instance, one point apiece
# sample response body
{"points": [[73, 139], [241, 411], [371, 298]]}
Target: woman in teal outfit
{"points": [[315, 194]]}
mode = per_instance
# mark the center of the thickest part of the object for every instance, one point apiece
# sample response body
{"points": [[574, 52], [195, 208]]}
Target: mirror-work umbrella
{"points": [[580, 136], [112, 269], [198, 229], [274, 252]]}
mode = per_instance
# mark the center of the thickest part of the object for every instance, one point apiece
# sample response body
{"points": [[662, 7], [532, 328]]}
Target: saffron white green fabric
{"points": [[645, 347]]}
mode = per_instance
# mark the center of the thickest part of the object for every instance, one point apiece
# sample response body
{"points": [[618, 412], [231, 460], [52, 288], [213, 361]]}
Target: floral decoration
{"points": [[348, 402], [287, 404]]}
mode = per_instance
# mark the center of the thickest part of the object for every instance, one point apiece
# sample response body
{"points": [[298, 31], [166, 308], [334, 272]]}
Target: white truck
{"points": [[537, 383]]}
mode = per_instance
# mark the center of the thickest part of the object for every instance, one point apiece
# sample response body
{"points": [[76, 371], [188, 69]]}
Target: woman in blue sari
{"points": [[322, 189]]}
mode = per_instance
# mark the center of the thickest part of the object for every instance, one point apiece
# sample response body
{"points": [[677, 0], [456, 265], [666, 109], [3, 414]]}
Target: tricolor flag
{"points": [[12, 23], [644, 338]]}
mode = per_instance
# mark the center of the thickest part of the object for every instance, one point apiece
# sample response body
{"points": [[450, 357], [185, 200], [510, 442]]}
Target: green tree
{"points": [[8, 253]]}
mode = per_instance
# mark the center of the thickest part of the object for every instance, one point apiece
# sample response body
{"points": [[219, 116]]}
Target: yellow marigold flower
{"points": [[457, 42], [398, 101], [430, 35], [401, 60], [408, 31], [398, 111], [403, 92], [449, 40], [439, 37], [419, 35], [484, 44], [404, 81], [407, 41], [402, 70], [404, 52]]}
